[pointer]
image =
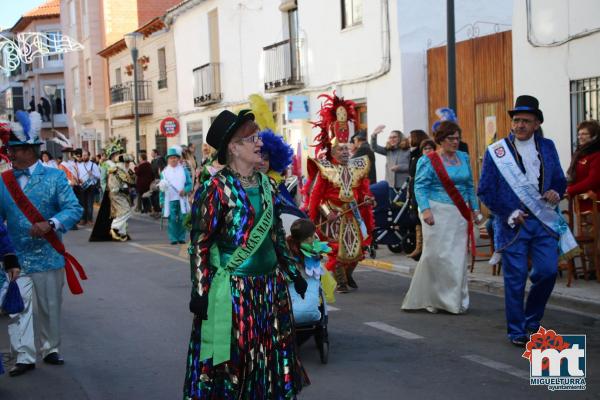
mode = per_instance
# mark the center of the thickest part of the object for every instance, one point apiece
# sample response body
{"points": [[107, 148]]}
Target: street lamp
{"points": [[131, 41], [50, 91]]}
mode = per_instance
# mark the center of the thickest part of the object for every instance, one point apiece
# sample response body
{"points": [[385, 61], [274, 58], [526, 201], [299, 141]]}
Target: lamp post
{"points": [[451, 55], [131, 41], [50, 91]]}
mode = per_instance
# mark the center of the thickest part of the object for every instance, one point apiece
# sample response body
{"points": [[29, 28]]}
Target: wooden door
{"points": [[361, 116]]}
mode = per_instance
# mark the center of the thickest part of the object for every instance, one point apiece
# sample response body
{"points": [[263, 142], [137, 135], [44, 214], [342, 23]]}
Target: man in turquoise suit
{"points": [[42, 267]]}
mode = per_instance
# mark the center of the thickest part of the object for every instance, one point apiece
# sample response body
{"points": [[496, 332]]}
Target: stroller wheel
{"points": [[322, 342], [395, 248]]}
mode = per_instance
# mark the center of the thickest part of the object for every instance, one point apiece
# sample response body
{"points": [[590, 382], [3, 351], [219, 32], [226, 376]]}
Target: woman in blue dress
{"points": [[440, 279]]}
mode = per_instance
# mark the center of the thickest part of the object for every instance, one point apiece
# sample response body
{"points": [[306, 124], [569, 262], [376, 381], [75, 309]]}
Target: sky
{"points": [[11, 10]]}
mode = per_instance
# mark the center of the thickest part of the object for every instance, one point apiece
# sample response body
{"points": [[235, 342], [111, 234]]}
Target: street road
{"points": [[126, 337]]}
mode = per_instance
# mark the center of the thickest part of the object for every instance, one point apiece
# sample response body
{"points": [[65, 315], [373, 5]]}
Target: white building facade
{"points": [[556, 59], [226, 52]]}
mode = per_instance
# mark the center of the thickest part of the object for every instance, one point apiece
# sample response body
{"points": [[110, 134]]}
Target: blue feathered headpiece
{"points": [[26, 129], [444, 114], [280, 153]]}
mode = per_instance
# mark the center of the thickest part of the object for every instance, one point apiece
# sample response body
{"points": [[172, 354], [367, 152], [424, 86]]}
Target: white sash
{"points": [[531, 198]]}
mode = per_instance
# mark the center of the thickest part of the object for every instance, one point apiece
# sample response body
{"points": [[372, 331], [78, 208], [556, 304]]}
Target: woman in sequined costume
{"points": [[242, 344]]}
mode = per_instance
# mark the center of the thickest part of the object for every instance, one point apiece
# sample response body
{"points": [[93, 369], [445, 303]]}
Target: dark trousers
{"points": [[86, 199], [154, 199]]}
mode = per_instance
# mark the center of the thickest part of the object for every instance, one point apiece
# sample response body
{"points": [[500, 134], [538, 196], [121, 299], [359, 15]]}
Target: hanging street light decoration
{"points": [[27, 46]]}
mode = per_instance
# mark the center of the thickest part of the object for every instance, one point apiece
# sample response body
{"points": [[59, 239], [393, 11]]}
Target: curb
{"points": [[569, 303]]}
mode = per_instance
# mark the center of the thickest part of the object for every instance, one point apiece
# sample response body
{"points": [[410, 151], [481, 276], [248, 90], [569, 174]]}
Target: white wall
{"points": [[421, 25], [546, 72], [330, 56]]}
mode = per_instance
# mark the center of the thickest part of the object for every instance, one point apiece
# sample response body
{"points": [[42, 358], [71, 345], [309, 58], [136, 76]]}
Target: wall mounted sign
{"points": [[169, 127], [297, 107]]}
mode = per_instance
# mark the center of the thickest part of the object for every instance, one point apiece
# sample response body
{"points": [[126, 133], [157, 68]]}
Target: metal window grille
{"points": [[585, 103]]}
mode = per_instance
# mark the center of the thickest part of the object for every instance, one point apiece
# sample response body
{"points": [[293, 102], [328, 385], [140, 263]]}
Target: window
{"points": [[84, 18], [352, 11], [89, 97], [118, 80], [72, 19], [76, 83], [585, 103], [162, 68], [60, 102], [53, 39]]}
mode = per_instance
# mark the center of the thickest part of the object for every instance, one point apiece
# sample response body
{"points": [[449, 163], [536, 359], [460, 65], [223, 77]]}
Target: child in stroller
{"points": [[310, 312], [308, 251]]}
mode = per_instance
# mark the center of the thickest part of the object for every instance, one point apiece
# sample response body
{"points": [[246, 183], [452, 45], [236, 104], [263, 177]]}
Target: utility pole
{"points": [[451, 55]]}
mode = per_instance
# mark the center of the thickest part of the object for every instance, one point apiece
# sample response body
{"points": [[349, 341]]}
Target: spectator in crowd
{"points": [[158, 164], [143, 178], [40, 110], [417, 137], [362, 148], [397, 153], [446, 198], [46, 107], [32, 104], [584, 171], [47, 160], [89, 178]]}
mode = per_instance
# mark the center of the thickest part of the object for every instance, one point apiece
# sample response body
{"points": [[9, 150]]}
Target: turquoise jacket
{"points": [[429, 187], [49, 191]]}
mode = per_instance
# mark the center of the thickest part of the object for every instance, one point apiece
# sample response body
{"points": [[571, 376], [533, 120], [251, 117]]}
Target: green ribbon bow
{"points": [[317, 247], [216, 330]]}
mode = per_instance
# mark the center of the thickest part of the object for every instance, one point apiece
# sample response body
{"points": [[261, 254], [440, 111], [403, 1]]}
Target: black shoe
{"points": [[173, 243], [54, 359], [520, 341], [20, 369], [341, 289], [181, 242], [352, 283], [531, 331]]}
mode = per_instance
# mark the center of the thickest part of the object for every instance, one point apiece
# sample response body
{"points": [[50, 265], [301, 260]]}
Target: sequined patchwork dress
{"points": [[263, 360]]}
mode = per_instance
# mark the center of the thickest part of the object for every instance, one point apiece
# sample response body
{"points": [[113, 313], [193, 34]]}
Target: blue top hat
{"points": [[25, 131]]}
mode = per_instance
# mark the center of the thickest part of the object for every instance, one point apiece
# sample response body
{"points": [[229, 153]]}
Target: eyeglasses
{"points": [[583, 133], [525, 121], [250, 139]]}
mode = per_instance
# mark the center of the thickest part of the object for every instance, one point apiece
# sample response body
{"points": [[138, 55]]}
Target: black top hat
{"points": [[223, 128], [360, 134], [527, 104]]}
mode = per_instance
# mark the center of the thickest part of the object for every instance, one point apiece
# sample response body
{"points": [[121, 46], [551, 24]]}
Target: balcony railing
{"points": [[282, 66], [124, 92], [122, 100], [207, 84]]}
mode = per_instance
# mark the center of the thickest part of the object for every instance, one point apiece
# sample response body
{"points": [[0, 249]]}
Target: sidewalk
{"points": [[582, 296]]}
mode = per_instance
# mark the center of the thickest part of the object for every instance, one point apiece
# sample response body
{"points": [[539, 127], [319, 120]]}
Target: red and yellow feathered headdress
{"points": [[332, 131]]}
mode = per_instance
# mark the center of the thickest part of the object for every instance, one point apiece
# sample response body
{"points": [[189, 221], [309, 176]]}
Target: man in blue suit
{"points": [[519, 232], [42, 268]]}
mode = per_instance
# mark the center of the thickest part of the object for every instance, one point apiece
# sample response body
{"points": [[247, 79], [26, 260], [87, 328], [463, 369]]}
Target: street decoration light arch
{"points": [[25, 47]]}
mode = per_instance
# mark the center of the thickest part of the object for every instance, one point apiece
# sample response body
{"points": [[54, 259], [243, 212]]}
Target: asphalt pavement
{"points": [[126, 337]]}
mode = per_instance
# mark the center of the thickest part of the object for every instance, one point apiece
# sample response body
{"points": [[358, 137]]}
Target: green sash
{"points": [[216, 330]]}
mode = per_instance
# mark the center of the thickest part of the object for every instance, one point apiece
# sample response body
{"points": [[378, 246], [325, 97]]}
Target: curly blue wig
{"points": [[280, 153]]}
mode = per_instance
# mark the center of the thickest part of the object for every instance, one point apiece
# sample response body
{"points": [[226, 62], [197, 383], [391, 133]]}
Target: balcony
{"points": [[282, 66], [207, 84], [49, 64], [122, 100]]}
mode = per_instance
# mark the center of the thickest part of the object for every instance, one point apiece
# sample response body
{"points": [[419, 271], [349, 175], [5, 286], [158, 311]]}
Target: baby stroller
{"points": [[393, 224], [311, 316], [310, 313]]}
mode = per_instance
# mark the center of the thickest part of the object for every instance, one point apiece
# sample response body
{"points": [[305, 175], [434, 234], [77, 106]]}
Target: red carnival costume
{"points": [[341, 187]]}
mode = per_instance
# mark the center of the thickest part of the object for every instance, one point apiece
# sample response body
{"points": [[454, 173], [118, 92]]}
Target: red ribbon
{"points": [[34, 216], [455, 196]]}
